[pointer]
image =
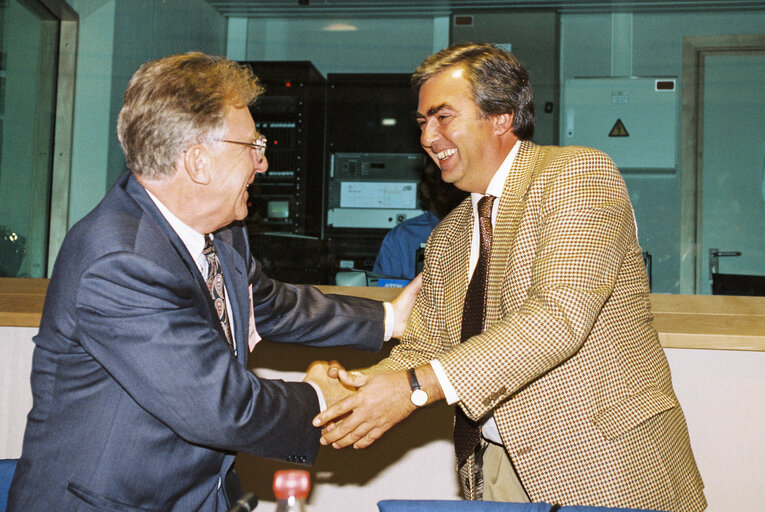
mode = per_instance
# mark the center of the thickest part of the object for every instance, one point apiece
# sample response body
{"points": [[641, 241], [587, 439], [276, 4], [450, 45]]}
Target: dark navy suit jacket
{"points": [[138, 402]]}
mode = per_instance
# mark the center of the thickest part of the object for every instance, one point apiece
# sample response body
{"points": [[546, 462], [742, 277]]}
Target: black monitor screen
{"points": [[371, 113]]}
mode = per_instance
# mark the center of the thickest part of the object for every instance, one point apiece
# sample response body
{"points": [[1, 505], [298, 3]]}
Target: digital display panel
{"points": [[369, 194], [278, 209]]}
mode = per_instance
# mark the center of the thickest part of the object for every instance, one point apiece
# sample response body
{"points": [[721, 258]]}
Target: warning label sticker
{"points": [[618, 130]]}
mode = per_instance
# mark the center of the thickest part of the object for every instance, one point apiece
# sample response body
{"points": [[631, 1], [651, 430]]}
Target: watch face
{"points": [[419, 397]]}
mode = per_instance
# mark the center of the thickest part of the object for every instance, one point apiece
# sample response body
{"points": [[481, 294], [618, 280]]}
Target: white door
{"points": [[732, 164]]}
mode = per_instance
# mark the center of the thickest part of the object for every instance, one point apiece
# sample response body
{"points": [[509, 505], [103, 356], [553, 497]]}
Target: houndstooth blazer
{"points": [[569, 364]]}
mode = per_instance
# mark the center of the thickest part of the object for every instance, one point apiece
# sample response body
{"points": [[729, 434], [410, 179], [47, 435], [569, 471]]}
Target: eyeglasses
{"points": [[259, 146]]}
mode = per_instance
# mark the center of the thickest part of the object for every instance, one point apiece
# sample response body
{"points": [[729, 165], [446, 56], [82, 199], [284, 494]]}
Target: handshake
{"points": [[363, 405]]}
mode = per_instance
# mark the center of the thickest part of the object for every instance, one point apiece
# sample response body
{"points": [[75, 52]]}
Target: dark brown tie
{"points": [[467, 433], [215, 285]]}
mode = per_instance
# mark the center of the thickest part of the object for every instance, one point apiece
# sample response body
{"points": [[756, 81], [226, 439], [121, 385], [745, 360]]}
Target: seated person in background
{"points": [[397, 256]]}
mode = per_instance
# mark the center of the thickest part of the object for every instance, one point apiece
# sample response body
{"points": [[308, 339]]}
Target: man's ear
{"points": [[503, 123], [197, 162]]}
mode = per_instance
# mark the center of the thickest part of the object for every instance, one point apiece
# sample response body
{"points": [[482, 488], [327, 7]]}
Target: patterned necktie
{"points": [[467, 433], [215, 285]]}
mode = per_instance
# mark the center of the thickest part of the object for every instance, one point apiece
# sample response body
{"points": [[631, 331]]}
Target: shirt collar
{"points": [[192, 239], [497, 182]]}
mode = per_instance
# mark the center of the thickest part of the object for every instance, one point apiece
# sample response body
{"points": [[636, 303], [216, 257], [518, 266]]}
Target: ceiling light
{"points": [[340, 27]]}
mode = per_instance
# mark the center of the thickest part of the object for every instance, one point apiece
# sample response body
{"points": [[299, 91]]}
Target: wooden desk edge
{"points": [[678, 316]]}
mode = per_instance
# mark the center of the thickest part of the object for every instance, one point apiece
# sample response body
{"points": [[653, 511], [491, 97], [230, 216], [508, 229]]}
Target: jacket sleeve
{"points": [[151, 330], [302, 314]]}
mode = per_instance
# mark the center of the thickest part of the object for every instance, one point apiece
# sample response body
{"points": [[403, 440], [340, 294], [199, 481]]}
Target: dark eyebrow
{"points": [[432, 111], [435, 110]]}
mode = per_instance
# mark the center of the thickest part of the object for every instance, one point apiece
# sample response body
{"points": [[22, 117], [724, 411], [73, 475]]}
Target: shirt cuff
{"points": [[390, 320], [450, 394], [320, 396]]}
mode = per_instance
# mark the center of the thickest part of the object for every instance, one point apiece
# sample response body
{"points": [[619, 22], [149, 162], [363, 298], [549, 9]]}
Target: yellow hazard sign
{"points": [[618, 130]]}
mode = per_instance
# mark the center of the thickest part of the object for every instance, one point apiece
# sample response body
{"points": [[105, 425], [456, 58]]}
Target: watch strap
{"points": [[413, 382]]}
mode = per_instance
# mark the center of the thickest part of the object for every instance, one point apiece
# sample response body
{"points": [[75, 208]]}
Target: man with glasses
{"points": [[142, 394], [259, 146]]}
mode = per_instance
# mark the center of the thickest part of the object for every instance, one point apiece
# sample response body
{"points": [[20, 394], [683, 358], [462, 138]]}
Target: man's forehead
{"points": [[240, 119], [442, 91]]}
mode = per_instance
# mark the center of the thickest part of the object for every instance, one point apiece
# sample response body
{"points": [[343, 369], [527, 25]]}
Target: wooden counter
{"points": [[21, 301], [721, 391], [683, 321]]}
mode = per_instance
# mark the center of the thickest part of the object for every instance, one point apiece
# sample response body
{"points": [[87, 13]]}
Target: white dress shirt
{"points": [[489, 426]]}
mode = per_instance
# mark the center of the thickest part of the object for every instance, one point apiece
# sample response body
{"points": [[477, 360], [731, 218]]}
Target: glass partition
{"points": [[30, 35], [671, 90]]}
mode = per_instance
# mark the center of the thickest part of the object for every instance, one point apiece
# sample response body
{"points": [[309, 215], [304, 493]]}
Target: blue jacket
{"points": [[138, 402], [397, 256]]}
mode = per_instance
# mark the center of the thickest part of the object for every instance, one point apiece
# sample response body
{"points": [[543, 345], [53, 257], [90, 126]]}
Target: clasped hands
{"points": [[361, 406]]}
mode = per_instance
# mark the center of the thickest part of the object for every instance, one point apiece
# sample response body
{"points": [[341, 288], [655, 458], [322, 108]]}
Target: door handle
{"points": [[714, 259]]}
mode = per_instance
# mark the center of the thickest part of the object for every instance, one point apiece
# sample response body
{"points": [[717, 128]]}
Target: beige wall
{"points": [[15, 394]]}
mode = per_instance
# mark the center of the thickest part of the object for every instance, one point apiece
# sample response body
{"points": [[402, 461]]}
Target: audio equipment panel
{"points": [[288, 198], [373, 161]]}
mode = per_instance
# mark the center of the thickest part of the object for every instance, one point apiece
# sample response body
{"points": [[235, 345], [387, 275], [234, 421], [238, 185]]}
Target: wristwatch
{"points": [[418, 397]]}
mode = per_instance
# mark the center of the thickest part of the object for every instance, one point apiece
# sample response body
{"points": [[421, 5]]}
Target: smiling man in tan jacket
{"points": [[564, 384]]}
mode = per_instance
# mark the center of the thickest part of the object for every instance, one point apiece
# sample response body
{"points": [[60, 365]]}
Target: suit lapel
{"points": [[140, 196], [235, 279], [231, 262], [511, 206], [455, 264]]}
